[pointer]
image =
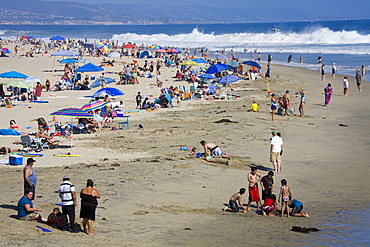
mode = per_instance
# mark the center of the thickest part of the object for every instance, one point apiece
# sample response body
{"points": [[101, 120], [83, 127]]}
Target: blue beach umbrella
{"points": [[13, 74], [97, 83], [207, 76], [57, 38], [89, 67], [199, 60], [216, 68], [252, 63], [233, 64], [68, 60], [110, 91], [228, 79]]}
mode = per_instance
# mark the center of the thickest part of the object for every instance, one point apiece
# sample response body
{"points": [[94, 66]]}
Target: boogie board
{"points": [[67, 155], [39, 101], [31, 155]]}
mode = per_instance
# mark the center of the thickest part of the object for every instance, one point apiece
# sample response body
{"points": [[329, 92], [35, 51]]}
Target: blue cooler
{"points": [[15, 160], [119, 114]]}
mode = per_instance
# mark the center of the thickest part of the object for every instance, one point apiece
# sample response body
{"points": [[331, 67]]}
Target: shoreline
{"points": [[151, 191]]}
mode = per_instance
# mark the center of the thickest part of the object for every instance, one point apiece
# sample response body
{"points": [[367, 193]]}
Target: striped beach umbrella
{"points": [[94, 105], [72, 112]]}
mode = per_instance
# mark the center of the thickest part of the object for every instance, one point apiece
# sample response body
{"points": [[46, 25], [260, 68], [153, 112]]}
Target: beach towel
{"points": [[9, 132], [253, 194]]}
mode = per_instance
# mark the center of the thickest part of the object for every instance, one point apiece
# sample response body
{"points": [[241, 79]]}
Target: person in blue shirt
{"points": [[297, 207], [26, 211]]}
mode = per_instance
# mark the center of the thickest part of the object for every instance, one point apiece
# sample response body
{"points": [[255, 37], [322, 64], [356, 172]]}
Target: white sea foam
{"points": [[320, 39]]}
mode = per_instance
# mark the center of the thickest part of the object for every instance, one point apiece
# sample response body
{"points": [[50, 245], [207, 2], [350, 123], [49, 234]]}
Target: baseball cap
{"points": [[30, 160], [274, 132], [66, 178]]}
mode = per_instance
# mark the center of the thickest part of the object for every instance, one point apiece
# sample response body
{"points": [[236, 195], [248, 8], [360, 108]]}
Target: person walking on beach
{"points": [[301, 103], [284, 196], [253, 188], [273, 106], [345, 85], [235, 200], [328, 92], [89, 202], [276, 146], [286, 101], [323, 72], [30, 179], [333, 70], [67, 194], [267, 185], [358, 79]]}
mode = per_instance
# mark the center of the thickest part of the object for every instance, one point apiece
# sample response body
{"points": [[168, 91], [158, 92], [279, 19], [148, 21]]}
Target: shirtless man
{"points": [[286, 101], [215, 150], [233, 205], [253, 188]]}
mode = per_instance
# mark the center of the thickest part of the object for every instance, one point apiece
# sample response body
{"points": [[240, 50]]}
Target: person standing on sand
{"points": [[284, 197], [328, 92], [286, 101], [358, 80], [363, 72], [138, 100], [273, 106], [67, 194], [89, 203], [235, 200], [253, 188], [267, 185], [345, 86], [323, 72], [30, 179], [333, 70], [301, 103], [38, 90], [276, 146]]}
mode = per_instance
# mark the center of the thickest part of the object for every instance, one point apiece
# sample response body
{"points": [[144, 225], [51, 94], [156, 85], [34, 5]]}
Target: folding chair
{"points": [[31, 145]]}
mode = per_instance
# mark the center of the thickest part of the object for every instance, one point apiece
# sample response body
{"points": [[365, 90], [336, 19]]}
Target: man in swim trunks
{"points": [[253, 188], [286, 101], [215, 150], [233, 205]]}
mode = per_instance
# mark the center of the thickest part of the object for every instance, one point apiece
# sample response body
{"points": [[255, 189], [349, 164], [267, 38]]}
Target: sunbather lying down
{"points": [[6, 150]]}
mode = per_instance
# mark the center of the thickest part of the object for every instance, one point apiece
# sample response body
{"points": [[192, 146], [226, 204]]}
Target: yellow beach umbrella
{"points": [[189, 62]]}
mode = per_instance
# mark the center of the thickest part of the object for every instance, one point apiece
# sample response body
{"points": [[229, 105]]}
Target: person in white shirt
{"points": [[276, 145], [67, 193], [345, 86]]}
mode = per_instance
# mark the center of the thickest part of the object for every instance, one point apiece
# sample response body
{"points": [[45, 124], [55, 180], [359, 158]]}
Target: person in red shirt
{"points": [[269, 206]]}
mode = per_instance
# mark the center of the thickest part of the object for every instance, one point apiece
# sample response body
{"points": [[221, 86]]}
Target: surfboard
{"points": [[67, 155], [39, 101], [30, 155]]}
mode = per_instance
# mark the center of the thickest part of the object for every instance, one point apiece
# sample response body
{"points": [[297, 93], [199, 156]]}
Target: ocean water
{"points": [[346, 43]]}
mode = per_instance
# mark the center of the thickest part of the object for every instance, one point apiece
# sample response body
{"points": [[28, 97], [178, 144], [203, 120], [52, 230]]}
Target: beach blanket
{"points": [[9, 132]]}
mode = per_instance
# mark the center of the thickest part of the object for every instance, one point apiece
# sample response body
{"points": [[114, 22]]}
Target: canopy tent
{"points": [[65, 53], [57, 37], [89, 67], [146, 54], [13, 74]]}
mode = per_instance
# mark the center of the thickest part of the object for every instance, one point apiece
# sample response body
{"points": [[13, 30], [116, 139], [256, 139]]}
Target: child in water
{"points": [[284, 197]]}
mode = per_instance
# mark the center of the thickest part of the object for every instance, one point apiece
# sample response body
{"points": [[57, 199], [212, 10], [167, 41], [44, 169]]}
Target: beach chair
{"points": [[124, 124], [27, 143]]}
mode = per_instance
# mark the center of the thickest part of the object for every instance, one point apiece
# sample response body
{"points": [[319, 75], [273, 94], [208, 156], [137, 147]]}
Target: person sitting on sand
{"points": [[235, 200], [215, 150], [210, 158], [26, 211], [297, 207], [253, 107], [7, 150], [269, 206], [55, 218], [13, 124]]}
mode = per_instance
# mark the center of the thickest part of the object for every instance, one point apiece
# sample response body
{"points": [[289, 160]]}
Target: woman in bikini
{"points": [[284, 196]]}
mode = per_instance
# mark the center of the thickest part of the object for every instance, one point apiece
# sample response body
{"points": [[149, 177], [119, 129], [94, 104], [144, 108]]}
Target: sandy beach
{"points": [[154, 194]]}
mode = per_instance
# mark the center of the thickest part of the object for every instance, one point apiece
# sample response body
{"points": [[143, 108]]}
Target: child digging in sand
{"points": [[235, 200], [284, 196]]}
